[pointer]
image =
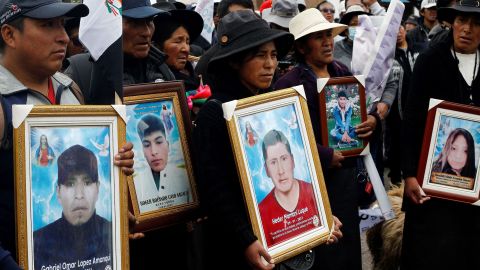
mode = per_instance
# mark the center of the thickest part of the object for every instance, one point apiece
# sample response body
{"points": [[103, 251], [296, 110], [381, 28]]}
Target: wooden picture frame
{"points": [[448, 165], [68, 188], [160, 106], [334, 124], [280, 121]]}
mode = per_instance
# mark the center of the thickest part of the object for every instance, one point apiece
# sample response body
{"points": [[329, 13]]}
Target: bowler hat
{"points": [[191, 20], [242, 30], [39, 9], [448, 14], [311, 21], [139, 9]]}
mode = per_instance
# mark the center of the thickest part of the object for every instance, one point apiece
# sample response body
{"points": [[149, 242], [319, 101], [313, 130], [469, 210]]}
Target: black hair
{"points": [[71, 24], [18, 23], [149, 124], [77, 159], [225, 4], [342, 94], [301, 42]]}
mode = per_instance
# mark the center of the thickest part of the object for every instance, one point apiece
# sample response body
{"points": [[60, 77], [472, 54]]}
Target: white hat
{"points": [[311, 21], [281, 12], [428, 4]]}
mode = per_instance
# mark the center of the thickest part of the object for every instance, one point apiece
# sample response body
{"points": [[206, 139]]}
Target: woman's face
{"points": [[256, 72], [328, 11], [319, 48], [177, 47], [457, 157]]}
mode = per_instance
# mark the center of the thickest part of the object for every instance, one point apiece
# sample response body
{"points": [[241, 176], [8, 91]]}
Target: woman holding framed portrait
{"points": [[243, 66], [447, 71], [314, 52]]}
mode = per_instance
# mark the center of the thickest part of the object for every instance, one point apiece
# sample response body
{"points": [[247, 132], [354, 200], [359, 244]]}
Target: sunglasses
{"points": [[327, 10]]}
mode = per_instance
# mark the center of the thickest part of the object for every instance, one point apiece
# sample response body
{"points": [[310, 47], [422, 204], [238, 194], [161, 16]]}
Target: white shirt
{"points": [[466, 65]]}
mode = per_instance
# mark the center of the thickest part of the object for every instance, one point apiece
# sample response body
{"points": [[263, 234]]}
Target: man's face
{"points": [[401, 36], [155, 149], [466, 33], [319, 48], [137, 36], [78, 196], [342, 101], [40, 48], [279, 165], [430, 14]]}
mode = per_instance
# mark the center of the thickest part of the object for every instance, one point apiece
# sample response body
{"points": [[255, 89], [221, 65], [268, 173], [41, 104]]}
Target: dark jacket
{"points": [[60, 242], [190, 80], [227, 230], [302, 75], [418, 37], [150, 69], [426, 243]]}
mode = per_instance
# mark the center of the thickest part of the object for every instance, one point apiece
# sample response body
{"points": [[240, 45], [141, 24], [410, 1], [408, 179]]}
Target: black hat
{"points": [[448, 14], [39, 9], [242, 30], [191, 20], [74, 159], [138, 9]]}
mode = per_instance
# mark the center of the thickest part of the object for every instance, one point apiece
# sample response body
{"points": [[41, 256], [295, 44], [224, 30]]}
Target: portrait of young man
{"points": [[290, 208], [162, 184], [80, 237]]}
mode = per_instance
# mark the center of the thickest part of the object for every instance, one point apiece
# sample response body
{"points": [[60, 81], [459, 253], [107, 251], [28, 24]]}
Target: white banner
{"points": [[205, 9]]}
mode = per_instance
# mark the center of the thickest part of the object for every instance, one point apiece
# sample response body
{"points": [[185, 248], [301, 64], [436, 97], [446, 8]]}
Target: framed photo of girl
{"points": [[448, 166], [162, 188], [342, 106], [70, 198], [280, 172]]}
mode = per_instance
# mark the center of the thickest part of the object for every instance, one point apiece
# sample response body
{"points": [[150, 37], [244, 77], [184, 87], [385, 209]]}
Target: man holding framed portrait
{"points": [[31, 56], [438, 233]]}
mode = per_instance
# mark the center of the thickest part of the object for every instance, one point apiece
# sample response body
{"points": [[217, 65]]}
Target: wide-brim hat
{"points": [[191, 20], [47, 9], [139, 9], [281, 12], [243, 30], [354, 10], [448, 14], [310, 21]]}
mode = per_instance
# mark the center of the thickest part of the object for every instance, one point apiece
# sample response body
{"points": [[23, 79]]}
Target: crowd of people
{"points": [[284, 44]]}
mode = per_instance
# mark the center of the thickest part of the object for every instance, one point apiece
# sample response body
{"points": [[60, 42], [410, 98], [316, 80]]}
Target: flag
{"points": [[101, 33], [205, 9]]}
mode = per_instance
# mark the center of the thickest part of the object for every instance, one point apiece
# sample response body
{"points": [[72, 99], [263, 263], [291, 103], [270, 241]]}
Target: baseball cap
{"points": [[139, 9], [428, 4], [39, 9]]}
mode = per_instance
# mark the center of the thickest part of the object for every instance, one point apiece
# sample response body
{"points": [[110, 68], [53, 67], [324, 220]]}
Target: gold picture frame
{"points": [[65, 181], [273, 142], [160, 107]]}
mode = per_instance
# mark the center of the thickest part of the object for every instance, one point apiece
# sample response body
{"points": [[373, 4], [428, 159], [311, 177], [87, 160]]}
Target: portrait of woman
{"points": [[458, 155], [44, 154]]}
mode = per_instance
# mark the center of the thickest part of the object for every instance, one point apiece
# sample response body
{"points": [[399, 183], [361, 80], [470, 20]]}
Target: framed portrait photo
{"points": [[162, 189], [70, 198], [280, 172], [448, 166], [342, 107]]}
